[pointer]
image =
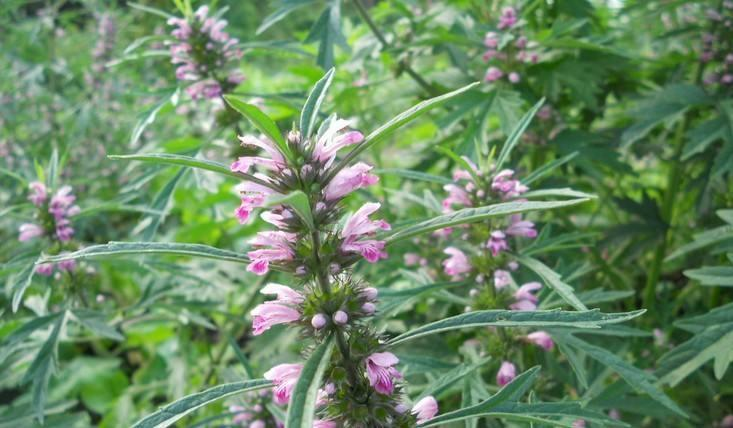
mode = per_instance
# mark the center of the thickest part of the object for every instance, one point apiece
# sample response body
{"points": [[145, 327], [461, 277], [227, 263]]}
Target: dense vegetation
{"points": [[360, 213]]}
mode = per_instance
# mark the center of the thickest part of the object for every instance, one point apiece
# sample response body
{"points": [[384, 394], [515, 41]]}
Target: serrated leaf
{"points": [[312, 106], [302, 406], [96, 322], [171, 413], [24, 332], [553, 280], [712, 275], [381, 133], [472, 215], [516, 134], [714, 342], [261, 121], [699, 138], [505, 318], [42, 367], [507, 104], [298, 201], [142, 248]]}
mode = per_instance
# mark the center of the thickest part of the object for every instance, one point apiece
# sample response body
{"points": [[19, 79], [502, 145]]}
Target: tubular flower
{"points": [[541, 339], [358, 227], [319, 423], [502, 278], [381, 373], [349, 179], [268, 314], [497, 243], [280, 250], [331, 138], [29, 231], [456, 196], [507, 372], [425, 409], [525, 300], [506, 186], [45, 269], [521, 227], [39, 193], [457, 264], [285, 294], [508, 18], [284, 376]]}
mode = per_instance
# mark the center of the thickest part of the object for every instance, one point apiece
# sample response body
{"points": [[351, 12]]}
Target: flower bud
{"points": [[368, 308], [294, 138], [318, 321], [370, 293], [334, 268], [400, 408], [473, 292], [340, 317]]}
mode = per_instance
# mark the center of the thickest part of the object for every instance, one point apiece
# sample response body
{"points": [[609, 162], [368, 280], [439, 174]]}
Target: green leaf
{"points": [[398, 121], [151, 10], [636, 378], [553, 280], [564, 193], [42, 367], [171, 413], [241, 357], [715, 342], [702, 136], [287, 6], [414, 175], [171, 159], [15, 338], [161, 202], [702, 240], [142, 248], [512, 391], [22, 282], [506, 318], [97, 322], [261, 121], [298, 201], [327, 32], [149, 116], [472, 215], [312, 106], [547, 168], [516, 134], [712, 275], [302, 406], [442, 383], [507, 105]]}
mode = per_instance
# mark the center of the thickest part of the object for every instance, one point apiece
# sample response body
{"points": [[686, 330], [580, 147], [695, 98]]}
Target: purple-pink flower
{"points": [[39, 193], [493, 74], [268, 314], [502, 278], [541, 339], [525, 300], [280, 249], [497, 243], [358, 227], [320, 423], [507, 372], [349, 179], [333, 139], [519, 227], [456, 196], [381, 373], [284, 376], [425, 409], [29, 231], [508, 18], [504, 184], [457, 264], [45, 269]]}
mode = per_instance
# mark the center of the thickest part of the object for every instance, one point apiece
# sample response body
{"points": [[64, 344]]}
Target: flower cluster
{"points": [[717, 48], [253, 413], [205, 55], [106, 32], [52, 221], [317, 244], [507, 49]]}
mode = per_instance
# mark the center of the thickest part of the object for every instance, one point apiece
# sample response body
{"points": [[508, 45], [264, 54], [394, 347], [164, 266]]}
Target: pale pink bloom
{"points": [[508, 18], [514, 77], [491, 40], [29, 231], [285, 294], [381, 372], [542, 339], [457, 264], [513, 265], [39, 193], [616, 415], [204, 89], [521, 227], [333, 139], [502, 278], [349, 179], [61, 202], [497, 243], [521, 42], [247, 204], [727, 422], [507, 372], [411, 259], [370, 293], [490, 54], [318, 321], [425, 409], [357, 227], [244, 163], [525, 300], [578, 423], [278, 217], [456, 196], [269, 314], [340, 317], [503, 183], [64, 231], [493, 74], [67, 265], [45, 269], [369, 308], [267, 145], [319, 423], [259, 423], [280, 250], [284, 376], [726, 79]]}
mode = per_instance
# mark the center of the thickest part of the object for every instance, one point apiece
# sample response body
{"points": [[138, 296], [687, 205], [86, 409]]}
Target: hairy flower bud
{"points": [[319, 321]]}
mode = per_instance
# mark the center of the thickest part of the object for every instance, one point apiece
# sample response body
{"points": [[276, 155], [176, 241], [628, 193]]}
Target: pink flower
{"points": [[456, 196], [381, 372], [491, 40], [67, 265], [319, 423], [507, 372], [502, 278], [542, 339], [278, 217], [525, 300], [503, 183], [268, 314], [349, 179], [357, 227], [508, 18], [266, 145], [39, 193], [285, 294], [280, 250], [64, 231], [457, 264], [284, 376], [61, 203], [29, 231], [578, 423], [411, 259], [333, 139], [514, 77], [45, 269], [497, 243], [521, 42], [259, 423], [425, 409], [493, 74], [521, 227]]}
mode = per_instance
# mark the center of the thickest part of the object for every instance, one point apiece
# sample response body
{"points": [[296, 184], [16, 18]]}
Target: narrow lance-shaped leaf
{"points": [[547, 168], [18, 336], [312, 106], [261, 121], [472, 215], [553, 280], [171, 413], [505, 318], [513, 139], [302, 404], [42, 367], [388, 128], [22, 282], [143, 248]]}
